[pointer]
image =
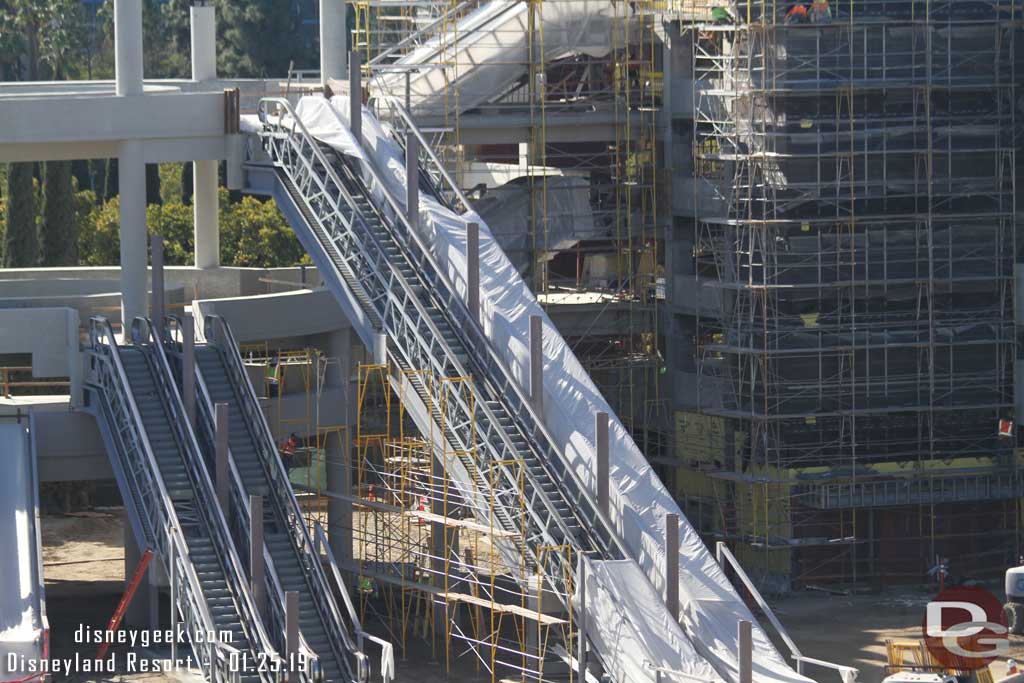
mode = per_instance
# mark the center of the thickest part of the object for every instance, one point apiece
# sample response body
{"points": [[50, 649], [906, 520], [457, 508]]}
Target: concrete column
{"points": [[744, 638], [339, 456], [380, 349], [156, 306], [134, 261], [672, 564], [333, 48], [412, 180], [221, 456], [128, 49], [204, 42], [188, 367], [601, 442], [204, 206], [204, 172], [355, 96], [473, 271], [257, 575], [537, 363]]}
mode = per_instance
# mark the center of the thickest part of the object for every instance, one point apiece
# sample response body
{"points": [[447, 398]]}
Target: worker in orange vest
{"points": [[288, 451], [797, 14], [821, 13]]}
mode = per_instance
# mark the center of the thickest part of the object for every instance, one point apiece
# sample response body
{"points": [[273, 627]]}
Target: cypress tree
{"points": [[59, 233], [21, 241], [153, 184]]}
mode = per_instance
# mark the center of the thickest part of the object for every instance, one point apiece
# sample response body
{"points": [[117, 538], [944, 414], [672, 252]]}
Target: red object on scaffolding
{"points": [[126, 599]]}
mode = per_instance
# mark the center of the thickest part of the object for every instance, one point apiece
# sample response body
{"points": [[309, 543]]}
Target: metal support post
{"points": [[672, 564], [536, 363], [601, 442], [745, 640], [221, 451], [188, 367], [412, 180], [355, 96], [291, 634], [581, 655], [256, 568], [473, 271]]}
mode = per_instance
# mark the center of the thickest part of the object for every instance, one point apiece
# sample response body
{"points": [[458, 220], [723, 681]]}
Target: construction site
{"points": [[628, 325]]}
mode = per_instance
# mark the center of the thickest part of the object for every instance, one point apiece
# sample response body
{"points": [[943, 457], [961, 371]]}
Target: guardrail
{"points": [[727, 560]]}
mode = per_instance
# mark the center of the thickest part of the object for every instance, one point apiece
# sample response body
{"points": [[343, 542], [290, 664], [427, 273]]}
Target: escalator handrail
{"points": [[105, 347]]}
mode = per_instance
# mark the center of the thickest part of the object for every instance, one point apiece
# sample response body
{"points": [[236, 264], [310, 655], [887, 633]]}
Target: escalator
{"points": [[172, 506], [293, 561]]}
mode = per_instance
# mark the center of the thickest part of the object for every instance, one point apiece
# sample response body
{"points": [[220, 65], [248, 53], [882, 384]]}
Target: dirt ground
{"points": [[84, 564]]}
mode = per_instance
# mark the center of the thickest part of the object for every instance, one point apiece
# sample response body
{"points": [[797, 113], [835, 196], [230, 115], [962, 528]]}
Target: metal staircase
{"points": [[292, 560], [371, 257], [172, 505]]}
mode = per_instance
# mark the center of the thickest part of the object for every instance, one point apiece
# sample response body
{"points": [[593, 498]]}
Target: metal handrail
{"points": [[165, 528], [218, 331], [143, 335], [726, 559], [433, 166], [418, 35]]}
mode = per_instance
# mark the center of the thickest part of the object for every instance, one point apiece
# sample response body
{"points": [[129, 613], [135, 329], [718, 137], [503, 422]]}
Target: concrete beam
{"points": [[106, 118], [156, 150]]}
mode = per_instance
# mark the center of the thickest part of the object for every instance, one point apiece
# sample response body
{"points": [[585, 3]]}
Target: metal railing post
{"points": [[672, 564], [355, 96], [188, 368], [156, 306], [412, 180], [221, 455], [603, 474], [472, 269], [257, 572], [745, 655], [537, 363]]}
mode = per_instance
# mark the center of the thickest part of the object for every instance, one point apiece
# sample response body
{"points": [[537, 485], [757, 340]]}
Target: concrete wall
{"points": [[51, 336]]}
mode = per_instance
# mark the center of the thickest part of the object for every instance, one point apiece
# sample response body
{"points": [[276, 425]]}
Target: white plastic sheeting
{"points": [[709, 605], [626, 623], [488, 50], [21, 622]]}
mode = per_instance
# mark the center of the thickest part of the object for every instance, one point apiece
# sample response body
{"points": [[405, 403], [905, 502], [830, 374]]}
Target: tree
{"points": [[21, 241], [255, 36], [253, 233], [59, 229]]}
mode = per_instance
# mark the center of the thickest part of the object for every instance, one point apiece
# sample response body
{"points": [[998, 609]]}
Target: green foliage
{"points": [[254, 233], [21, 238], [170, 182], [59, 227], [258, 38], [47, 34]]}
